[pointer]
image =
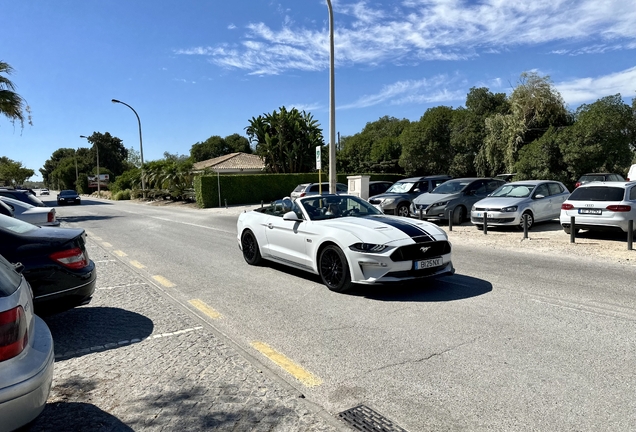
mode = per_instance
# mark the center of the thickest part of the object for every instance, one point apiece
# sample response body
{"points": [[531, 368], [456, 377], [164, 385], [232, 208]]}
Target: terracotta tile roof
{"points": [[232, 161]]}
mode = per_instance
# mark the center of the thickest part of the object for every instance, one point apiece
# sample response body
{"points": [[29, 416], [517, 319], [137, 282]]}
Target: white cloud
{"points": [[231, 27], [588, 90], [418, 30]]}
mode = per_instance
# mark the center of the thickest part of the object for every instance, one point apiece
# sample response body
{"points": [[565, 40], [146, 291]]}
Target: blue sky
{"points": [[193, 68]]}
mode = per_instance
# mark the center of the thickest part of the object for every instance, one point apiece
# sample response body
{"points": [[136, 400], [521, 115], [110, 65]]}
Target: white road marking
{"points": [[122, 286]]}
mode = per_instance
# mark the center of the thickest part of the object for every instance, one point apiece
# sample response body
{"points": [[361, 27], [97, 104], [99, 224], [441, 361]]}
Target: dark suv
{"points": [[397, 199], [22, 195], [592, 177]]}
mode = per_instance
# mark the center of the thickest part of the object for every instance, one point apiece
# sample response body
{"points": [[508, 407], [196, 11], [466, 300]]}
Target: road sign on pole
{"points": [[318, 158]]}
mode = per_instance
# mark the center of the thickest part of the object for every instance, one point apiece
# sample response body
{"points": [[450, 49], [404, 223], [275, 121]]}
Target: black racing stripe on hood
{"points": [[418, 234]]}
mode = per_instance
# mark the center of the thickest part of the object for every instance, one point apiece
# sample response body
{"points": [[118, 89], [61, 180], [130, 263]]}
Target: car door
{"points": [[558, 195], [542, 204], [286, 239]]}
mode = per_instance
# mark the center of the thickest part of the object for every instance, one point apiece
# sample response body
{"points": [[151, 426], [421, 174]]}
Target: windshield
{"points": [[451, 187], [15, 225], [401, 187], [67, 192], [513, 191], [333, 207]]}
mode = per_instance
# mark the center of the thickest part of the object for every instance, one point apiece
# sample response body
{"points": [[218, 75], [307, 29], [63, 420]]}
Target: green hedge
{"points": [[254, 188]]}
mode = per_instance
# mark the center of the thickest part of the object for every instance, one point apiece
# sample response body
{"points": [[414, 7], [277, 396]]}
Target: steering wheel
{"points": [[353, 211]]}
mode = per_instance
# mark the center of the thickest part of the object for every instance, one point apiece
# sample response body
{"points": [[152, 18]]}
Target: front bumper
{"points": [[496, 218], [427, 211]]}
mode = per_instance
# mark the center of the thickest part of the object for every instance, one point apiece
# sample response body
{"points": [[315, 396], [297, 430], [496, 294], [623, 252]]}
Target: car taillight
{"points": [[14, 336], [619, 208], [51, 216], [565, 206], [71, 258], [577, 184], [302, 194]]}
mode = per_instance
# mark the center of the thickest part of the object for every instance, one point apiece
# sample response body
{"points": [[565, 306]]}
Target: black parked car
{"points": [[55, 260], [68, 197], [22, 195]]}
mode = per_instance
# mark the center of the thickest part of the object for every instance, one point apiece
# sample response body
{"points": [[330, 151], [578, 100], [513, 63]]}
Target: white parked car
{"points": [[345, 240], [539, 200], [26, 352], [41, 216], [600, 206]]}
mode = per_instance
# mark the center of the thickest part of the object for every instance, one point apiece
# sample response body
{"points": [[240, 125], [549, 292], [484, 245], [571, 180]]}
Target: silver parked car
{"points": [[40, 216], [307, 189], [26, 352], [606, 206], [457, 195], [397, 199], [540, 200]]}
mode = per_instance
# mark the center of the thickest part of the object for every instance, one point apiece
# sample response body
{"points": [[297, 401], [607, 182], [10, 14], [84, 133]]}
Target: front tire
{"points": [[251, 251], [402, 210], [530, 220], [459, 214], [334, 269]]}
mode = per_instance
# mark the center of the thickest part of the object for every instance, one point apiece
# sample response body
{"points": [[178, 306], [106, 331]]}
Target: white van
{"points": [[631, 174]]}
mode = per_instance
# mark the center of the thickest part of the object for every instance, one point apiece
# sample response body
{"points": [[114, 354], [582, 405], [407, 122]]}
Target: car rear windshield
{"points": [[9, 278], [15, 225], [597, 193], [35, 201]]}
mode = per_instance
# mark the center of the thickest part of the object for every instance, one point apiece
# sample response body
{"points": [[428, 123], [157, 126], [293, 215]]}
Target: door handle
{"points": [[270, 225]]}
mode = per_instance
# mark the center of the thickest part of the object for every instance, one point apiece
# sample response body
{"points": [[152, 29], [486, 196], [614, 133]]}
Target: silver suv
{"points": [[307, 189], [397, 199]]}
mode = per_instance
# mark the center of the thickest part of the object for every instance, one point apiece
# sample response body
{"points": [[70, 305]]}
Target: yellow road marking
{"points": [[163, 281], [305, 377], [137, 264], [106, 244], [205, 309], [120, 253]]}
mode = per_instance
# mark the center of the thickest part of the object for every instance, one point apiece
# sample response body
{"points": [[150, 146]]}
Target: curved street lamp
{"points": [[141, 147], [332, 107], [99, 192]]}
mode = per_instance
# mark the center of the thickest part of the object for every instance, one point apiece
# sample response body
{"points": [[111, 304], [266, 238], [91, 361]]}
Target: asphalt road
{"points": [[513, 341]]}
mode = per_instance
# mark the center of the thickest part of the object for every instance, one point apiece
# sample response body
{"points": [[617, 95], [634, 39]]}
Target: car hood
{"points": [[499, 202], [382, 229], [431, 198], [389, 196]]}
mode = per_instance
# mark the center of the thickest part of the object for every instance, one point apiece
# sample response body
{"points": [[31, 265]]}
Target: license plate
{"points": [[424, 264], [591, 211]]}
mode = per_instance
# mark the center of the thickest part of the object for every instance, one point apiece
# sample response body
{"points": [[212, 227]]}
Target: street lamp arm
{"points": [[141, 146]]}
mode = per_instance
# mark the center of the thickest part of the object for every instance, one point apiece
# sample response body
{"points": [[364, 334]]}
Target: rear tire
{"points": [[251, 251], [334, 269]]}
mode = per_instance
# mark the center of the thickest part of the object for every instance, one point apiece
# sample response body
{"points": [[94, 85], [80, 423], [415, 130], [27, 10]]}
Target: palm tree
{"points": [[11, 104]]}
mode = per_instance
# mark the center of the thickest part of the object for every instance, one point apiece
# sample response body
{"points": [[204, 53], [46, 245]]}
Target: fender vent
{"points": [[363, 418]]}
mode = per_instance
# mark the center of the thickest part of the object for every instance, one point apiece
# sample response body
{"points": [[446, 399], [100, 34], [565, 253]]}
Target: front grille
{"points": [[375, 201], [493, 220], [415, 252], [485, 209]]}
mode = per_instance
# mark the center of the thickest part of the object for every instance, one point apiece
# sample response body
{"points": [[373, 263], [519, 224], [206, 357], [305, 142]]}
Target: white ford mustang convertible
{"points": [[345, 240]]}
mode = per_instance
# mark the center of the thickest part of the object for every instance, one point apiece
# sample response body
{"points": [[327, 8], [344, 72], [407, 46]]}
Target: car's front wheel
{"points": [[530, 220], [334, 269], [402, 210], [459, 214], [251, 252]]}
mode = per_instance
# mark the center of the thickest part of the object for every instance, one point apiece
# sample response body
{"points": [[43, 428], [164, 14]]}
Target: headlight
{"points": [[509, 209], [473, 209], [387, 201], [367, 247], [440, 204]]}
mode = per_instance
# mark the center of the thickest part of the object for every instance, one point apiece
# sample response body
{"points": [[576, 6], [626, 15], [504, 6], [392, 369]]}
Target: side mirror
{"points": [[416, 190], [291, 216], [539, 196]]}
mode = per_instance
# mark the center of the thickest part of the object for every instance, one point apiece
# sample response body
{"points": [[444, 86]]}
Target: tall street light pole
{"points": [[99, 191], [332, 107], [141, 147], [76, 172]]}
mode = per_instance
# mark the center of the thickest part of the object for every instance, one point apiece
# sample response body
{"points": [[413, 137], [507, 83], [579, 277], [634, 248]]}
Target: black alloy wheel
{"points": [[251, 252], [530, 220], [402, 210], [334, 269]]}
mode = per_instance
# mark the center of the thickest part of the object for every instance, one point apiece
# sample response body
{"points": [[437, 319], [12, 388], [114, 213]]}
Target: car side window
{"points": [[555, 188], [632, 194], [542, 190], [296, 209], [477, 188], [341, 187], [423, 186], [493, 185]]}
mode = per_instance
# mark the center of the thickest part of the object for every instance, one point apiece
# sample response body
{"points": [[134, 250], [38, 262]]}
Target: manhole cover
{"points": [[363, 418]]}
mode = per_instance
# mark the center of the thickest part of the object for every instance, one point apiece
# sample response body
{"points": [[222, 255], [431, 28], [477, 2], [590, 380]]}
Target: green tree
{"points": [[535, 105], [238, 143], [12, 105], [542, 159], [286, 140], [601, 139], [12, 173], [426, 145], [376, 148], [112, 153]]}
